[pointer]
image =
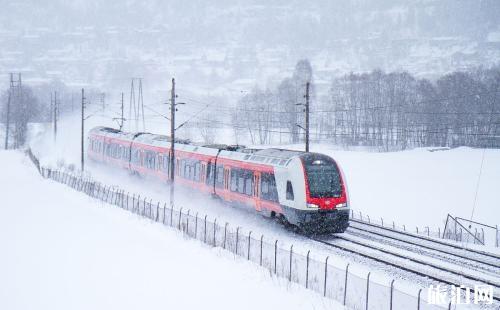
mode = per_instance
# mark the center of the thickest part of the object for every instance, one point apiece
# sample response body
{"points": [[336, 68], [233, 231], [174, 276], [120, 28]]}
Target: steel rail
{"points": [[492, 255], [428, 247], [406, 268]]}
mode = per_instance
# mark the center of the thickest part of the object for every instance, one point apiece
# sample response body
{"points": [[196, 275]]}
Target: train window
{"points": [[268, 189], [197, 172], [289, 190], [210, 173], [182, 168], [152, 160], [220, 176], [137, 157], [264, 188], [241, 183], [234, 185], [249, 183], [166, 162]]}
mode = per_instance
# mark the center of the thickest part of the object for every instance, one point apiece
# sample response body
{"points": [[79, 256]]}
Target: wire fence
{"points": [[324, 275]]}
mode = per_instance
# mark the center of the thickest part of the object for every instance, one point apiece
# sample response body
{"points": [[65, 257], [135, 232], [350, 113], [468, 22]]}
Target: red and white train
{"points": [[304, 189]]}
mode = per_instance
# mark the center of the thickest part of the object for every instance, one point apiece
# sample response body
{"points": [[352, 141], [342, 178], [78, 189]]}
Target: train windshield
{"points": [[324, 178]]}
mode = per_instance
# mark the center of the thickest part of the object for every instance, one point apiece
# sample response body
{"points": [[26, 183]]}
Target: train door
{"points": [[203, 172]]}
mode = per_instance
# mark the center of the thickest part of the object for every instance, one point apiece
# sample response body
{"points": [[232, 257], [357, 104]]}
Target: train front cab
{"points": [[315, 194]]}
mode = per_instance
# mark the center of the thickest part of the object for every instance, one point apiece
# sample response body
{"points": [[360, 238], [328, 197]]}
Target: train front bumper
{"points": [[321, 221]]}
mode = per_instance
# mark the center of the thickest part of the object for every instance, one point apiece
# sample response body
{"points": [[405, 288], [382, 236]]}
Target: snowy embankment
{"points": [[63, 250]]}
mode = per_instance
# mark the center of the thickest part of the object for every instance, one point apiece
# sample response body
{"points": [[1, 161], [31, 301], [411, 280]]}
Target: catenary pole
{"points": [[55, 115], [83, 128], [172, 142], [7, 124], [307, 116]]}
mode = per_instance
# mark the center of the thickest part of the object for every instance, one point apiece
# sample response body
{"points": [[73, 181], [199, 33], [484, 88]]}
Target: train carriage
{"points": [[304, 189]]}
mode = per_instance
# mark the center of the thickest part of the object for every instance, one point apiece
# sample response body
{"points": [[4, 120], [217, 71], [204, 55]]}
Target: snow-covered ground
{"points": [[63, 250]]}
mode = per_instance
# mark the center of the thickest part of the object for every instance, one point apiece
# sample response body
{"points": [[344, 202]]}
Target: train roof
{"points": [[270, 156]]}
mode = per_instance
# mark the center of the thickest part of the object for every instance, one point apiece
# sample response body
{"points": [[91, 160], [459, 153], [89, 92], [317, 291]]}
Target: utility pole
{"points": [[307, 116], [121, 120], [306, 110], [140, 105], [7, 124], [172, 142], [55, 115], [103, 100], [83, 128]]}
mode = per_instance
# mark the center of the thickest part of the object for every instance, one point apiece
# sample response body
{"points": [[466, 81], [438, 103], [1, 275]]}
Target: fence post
{"points": [[237, 237], [360, 216], [196, 226], [345, 283], [205, 236], [439, 232], [496, 235], [180, 215], [404, 227], [157, 212], [326, 273], [118, 197], [290, 274], [393, 225], [368, 218], [456, 233], [215, 225], [107, 195], [150, 205], [382, 220], [171, 216], [418, 299], [133, 202], [187, 221], [164, 212], [249, 238], [307, 268], [392, 292], [144, 207], [275, 254], [367, 288], [261, 241], [225, 232], [138, 203]]}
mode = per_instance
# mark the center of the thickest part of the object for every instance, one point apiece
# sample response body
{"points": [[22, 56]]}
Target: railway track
{"points": [[418, 266], [486, 258], [420, 255], [427, 252]]}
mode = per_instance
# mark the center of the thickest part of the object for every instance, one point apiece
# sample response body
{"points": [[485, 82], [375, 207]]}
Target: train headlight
{"points": [[312, 206], [341, 206]]}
